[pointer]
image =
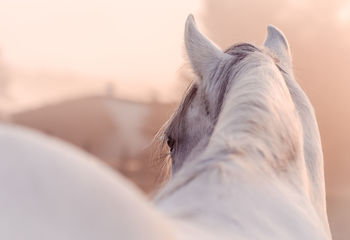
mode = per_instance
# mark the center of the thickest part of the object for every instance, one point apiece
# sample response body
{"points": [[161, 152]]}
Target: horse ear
{"points": [[278, 45], [203, 54]]}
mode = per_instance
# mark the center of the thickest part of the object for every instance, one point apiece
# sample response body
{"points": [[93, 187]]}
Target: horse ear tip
{"points": [[190, 16], [275, 31], [271, 28], [190, 19]]}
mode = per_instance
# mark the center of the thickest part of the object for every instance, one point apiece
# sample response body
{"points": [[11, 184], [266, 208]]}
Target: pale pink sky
{"points": [[58, 49], [63, 48]]}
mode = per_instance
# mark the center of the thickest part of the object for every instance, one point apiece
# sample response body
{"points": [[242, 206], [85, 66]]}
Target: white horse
{"points": [[246, 163]]}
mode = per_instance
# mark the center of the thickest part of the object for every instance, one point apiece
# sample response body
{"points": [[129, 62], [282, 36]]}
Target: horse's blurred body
{"points": [[50, 190]]}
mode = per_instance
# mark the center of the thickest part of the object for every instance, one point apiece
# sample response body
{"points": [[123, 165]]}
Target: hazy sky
{"points": [[59, 48], [63, 48]]}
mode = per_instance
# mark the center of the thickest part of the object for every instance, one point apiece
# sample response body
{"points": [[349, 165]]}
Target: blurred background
{"points": [[105, 75]]}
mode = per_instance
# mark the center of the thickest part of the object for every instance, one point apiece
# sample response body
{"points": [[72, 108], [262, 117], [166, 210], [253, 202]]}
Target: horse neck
{"points": [[312, 146], [257, 130], [254, 160], [259, 122]]}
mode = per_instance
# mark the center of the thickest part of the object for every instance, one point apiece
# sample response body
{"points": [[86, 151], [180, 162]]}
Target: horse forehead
{"points": [[241, 48], [182, 110], [194, 108]]}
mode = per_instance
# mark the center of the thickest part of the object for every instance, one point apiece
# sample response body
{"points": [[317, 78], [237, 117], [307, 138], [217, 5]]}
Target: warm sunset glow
{"points": [[137, 45], [344, 13]]}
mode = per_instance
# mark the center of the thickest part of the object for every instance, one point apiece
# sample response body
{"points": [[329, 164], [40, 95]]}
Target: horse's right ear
{"points": [[277, 43], [203, 54]]}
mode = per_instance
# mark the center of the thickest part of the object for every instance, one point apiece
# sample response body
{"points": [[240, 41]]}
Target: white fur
{"points": [[278, 45], [246, 184], [202, 53]]}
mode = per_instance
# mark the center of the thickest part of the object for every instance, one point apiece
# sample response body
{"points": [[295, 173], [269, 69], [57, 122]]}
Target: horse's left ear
{"points": [[202, 53], [277, 43]]}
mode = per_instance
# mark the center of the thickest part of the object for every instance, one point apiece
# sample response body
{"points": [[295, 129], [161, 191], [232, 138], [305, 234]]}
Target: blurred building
{"points": [[117, 131]]}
